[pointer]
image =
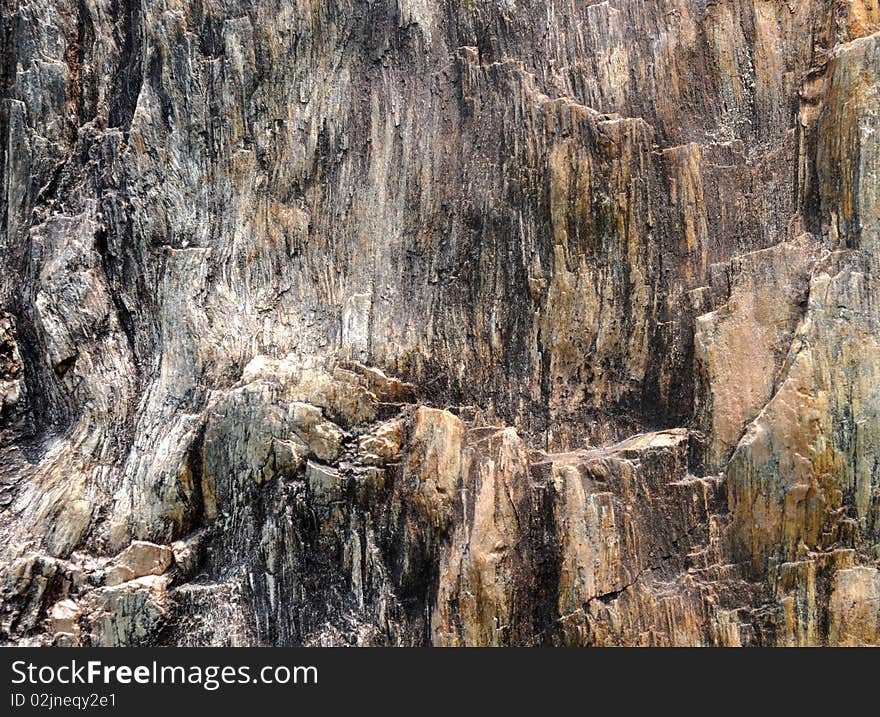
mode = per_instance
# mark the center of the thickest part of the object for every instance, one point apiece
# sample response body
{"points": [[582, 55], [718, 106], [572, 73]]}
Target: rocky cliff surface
{"points": [[409, 322]]}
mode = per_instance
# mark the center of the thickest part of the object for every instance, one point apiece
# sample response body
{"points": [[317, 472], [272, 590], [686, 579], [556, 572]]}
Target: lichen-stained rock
{"points": [[463, 323]]}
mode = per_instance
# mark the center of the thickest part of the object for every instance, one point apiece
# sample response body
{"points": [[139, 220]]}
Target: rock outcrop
{"points": [[423, 323]]}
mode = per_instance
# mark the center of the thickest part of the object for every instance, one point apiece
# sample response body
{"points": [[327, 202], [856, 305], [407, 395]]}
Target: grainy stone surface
{"points": [[463, 323]]}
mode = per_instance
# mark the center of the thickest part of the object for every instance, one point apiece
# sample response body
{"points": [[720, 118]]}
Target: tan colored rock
{"points": [[383, 444], [63, 621], [266, 368], [321, 436], [433, 471], [789, 477], [139, 559], [617, 512], [31, 581], [740, 348], [848, 146], [484, 571], [855, 608], [801, 478], [341, 393], [862, 17], [386, 388]]}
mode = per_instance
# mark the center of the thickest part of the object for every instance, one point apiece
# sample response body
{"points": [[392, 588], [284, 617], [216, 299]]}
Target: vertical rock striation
{"points": [[465, 323]]}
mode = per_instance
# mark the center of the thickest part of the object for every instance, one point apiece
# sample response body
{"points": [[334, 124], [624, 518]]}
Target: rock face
{"points": [[423, 323]]}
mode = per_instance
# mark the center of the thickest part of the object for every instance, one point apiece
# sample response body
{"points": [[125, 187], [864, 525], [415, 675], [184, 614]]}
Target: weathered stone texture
{"points": [[464, 323]]}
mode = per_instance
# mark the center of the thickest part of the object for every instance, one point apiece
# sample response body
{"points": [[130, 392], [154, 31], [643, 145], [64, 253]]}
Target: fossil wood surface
{"points": [[440, 322]]}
